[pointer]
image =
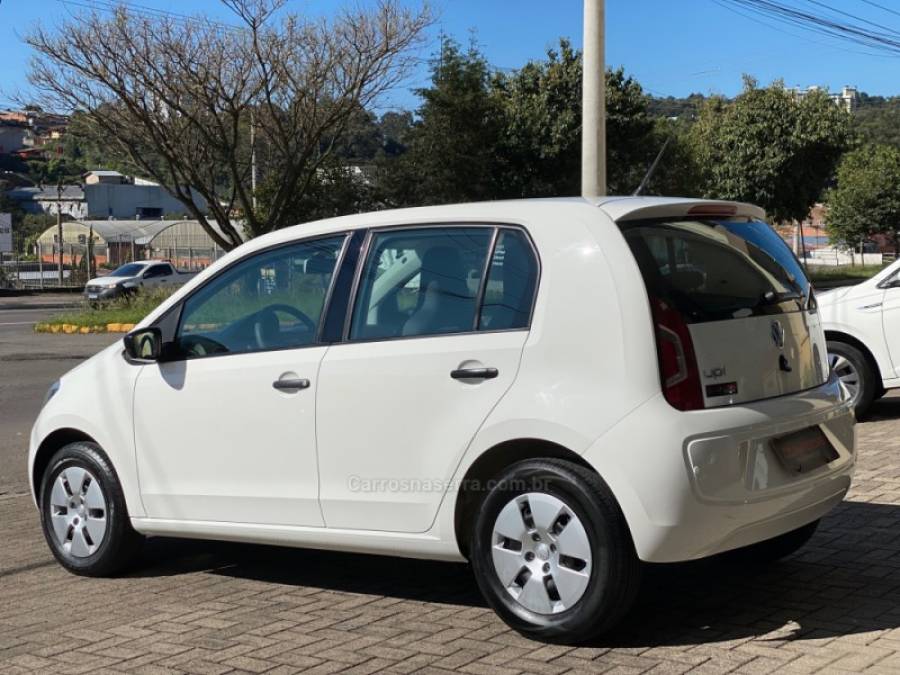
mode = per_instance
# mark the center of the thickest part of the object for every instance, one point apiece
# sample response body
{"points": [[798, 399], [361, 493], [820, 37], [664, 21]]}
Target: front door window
{"points": [[272, 300]]}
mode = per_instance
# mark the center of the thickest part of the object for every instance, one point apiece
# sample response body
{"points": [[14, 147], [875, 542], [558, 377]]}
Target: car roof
{"points": [[512, 211]]}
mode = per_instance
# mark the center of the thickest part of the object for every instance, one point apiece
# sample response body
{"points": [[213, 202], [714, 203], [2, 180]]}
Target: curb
{"points": [[70, 328]]}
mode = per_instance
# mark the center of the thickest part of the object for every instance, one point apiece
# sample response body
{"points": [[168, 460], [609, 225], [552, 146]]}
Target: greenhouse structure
{"points": [[114, 242]]}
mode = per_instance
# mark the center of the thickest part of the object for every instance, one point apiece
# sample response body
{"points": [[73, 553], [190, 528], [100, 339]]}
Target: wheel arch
{"points": [[48, 447], [840, 336], [489, 465]]}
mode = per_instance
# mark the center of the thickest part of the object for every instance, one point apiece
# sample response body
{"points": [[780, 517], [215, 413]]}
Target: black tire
{"points": [[120, 543], [777, 548], [867, 377], [615, 570]]}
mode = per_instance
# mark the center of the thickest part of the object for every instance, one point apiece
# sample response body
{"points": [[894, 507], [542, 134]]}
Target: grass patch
{"points": [[131, 309], [843, 272]]}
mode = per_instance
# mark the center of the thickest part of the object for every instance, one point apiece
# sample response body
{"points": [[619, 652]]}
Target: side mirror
{"points": [[144, 344]]}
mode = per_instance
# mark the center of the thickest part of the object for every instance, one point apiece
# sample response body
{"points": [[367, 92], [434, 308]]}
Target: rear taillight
{"points": [[677, 362]]}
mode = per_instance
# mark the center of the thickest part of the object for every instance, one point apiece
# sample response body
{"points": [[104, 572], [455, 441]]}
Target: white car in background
{"points": [[555, 390], [862, 326], [134, 276]]}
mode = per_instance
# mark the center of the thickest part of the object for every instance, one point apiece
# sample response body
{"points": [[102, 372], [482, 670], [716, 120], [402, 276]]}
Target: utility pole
{"points": [[59, 230], [252, 160], [593, 102], [40, 257], [90, 251]]}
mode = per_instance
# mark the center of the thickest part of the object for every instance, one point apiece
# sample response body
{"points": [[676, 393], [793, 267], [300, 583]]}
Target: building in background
{"points": [[104, 194], [848, 98], [69, 200], [12, 138], [31, 132]]}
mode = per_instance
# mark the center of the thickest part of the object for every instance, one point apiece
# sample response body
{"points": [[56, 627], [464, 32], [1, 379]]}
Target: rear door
{"points": [[745, 300], [157, 275], [440, 319]]}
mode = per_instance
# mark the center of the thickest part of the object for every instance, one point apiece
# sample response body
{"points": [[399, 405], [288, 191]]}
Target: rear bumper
{"points": [[696, 484]]}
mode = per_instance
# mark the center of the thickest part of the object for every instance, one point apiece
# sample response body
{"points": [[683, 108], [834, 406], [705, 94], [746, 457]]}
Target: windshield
{"points": [[129, 270], [712, 270]]}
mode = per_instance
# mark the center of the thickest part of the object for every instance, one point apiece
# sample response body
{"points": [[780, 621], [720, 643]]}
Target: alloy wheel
{"points": [[847, 374], [541, 553]]}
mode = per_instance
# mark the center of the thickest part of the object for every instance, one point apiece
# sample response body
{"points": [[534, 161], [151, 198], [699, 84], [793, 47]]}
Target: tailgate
{"points": [[759, 357], [734, 315]]}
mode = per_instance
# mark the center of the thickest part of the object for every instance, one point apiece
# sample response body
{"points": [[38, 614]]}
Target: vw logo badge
{"points": [[778, 334]]}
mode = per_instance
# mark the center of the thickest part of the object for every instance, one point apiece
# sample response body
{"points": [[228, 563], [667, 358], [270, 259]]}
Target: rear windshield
{"points": [[713, 270]]}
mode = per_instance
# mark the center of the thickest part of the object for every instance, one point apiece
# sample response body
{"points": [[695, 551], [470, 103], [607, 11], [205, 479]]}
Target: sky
{"points": [[672, 47]]}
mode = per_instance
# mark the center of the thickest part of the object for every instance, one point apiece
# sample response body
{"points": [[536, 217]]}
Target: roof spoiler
{"points": [[623, 210]]}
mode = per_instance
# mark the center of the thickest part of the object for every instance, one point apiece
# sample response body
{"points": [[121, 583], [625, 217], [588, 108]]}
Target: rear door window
{"points": [[421, 282], [158, 271], [718, 270], [511, 283]]}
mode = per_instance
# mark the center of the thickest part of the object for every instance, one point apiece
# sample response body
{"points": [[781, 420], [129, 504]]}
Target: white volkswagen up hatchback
{"points": [[554, 390]]}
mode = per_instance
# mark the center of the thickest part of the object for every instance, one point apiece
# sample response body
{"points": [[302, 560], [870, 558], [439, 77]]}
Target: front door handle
{"points": [[291, 385], [474, 373]]}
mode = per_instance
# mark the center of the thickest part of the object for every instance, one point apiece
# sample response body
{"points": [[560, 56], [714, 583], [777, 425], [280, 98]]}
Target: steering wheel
{"points": [[200, 345], [266, 326]]}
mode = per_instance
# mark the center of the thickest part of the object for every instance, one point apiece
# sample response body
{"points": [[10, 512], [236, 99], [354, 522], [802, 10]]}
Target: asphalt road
{"points": [[29, 363]]}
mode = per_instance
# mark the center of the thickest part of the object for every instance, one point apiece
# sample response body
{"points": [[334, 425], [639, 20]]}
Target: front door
{"points": [[225, 430], [430, 352]]}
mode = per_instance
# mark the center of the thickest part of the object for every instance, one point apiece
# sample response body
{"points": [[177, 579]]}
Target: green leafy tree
{"points": [[770, 148], [452, 152], [866, 199], [541, 125], [678, 173], [541, 104], [481, 134], [396, 131], [877, 120]]}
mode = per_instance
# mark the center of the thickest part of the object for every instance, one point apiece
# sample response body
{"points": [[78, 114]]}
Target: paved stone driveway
{"points": [[222, 608]]}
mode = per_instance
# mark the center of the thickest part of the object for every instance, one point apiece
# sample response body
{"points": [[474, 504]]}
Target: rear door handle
{"points": [[474, 373], [291, 385]]}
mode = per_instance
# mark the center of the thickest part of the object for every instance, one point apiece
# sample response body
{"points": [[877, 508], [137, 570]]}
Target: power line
{"points": [[725, 4], [149, 13], [881, 7], [888, 31], [885, 39]]}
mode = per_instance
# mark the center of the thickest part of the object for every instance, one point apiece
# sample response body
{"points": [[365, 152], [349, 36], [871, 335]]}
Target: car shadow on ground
{"points": [[845, 581], [887, 408]]}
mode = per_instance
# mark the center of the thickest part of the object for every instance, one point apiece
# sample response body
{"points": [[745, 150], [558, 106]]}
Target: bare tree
{"points": [[175, 98]]}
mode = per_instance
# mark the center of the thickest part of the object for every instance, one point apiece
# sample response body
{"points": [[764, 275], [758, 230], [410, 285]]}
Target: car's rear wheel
{"points": [[552, 553], [855, 372], [83, 512]]}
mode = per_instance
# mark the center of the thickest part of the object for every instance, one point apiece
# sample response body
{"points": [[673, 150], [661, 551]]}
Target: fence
{"points": [[833, 257], [81, 262]]}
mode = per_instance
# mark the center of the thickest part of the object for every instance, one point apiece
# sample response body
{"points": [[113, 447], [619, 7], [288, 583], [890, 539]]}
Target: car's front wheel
{"points": [[552, 553], [83, 512], [853, 369]]}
